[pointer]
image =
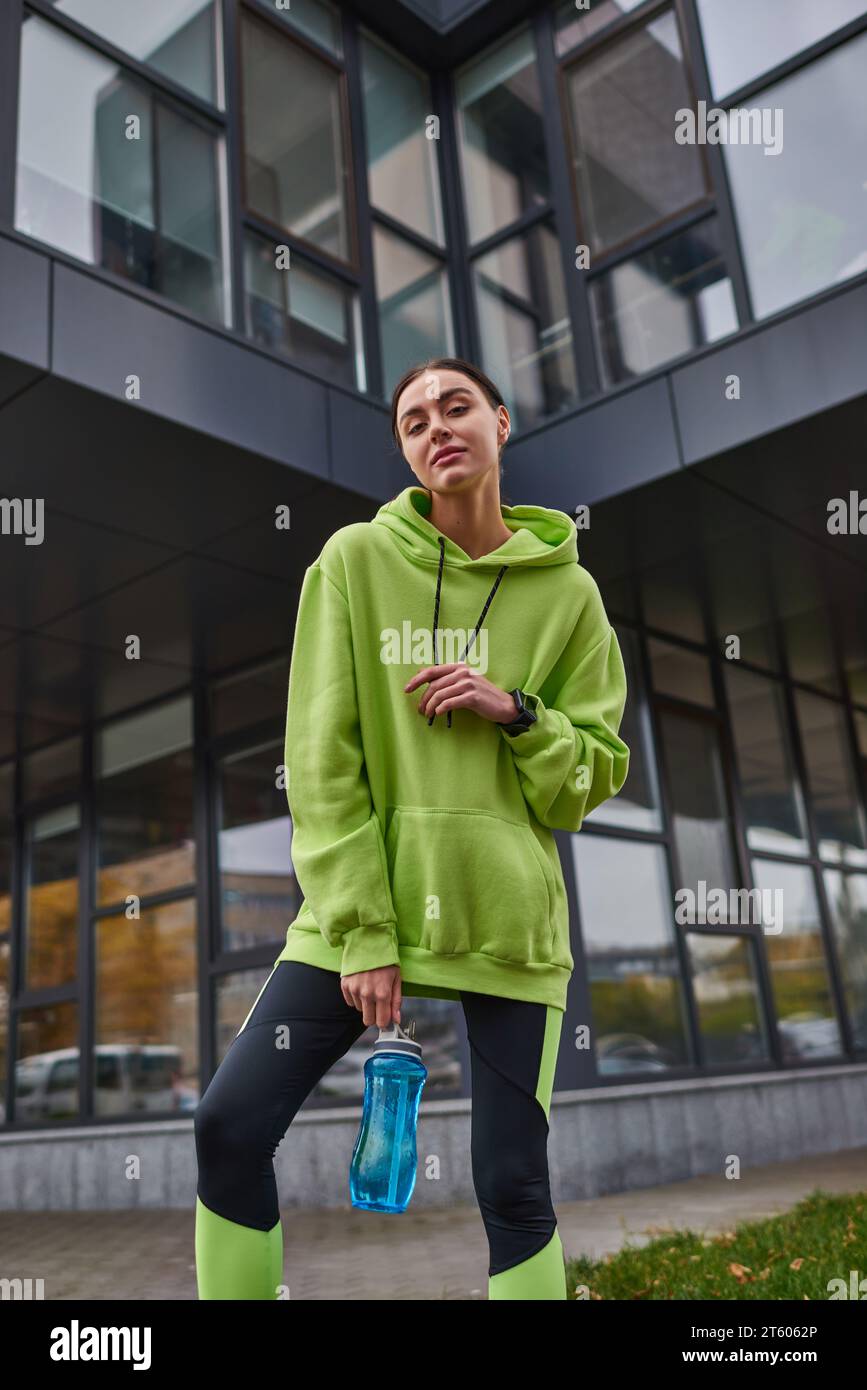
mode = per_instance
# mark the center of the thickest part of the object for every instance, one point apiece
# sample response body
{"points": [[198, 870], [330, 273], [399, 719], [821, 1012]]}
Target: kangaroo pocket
{"points": [[469, 881]]}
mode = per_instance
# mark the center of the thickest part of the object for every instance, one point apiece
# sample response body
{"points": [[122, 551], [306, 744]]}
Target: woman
{"points": [[427, 768]]}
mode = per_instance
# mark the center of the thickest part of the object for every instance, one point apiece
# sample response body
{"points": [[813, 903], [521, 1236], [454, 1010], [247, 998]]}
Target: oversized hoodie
{"points": [[426, 842]]}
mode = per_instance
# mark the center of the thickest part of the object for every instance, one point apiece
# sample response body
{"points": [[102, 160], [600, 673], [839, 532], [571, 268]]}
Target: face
{"points": [[443, 411]]}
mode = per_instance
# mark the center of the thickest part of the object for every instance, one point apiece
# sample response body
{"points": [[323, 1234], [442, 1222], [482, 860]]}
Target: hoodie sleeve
{"points": [[338, 851], [572, 759]]}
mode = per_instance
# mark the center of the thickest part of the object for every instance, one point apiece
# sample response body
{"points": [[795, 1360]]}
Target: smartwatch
{"points": [[524, 719]]}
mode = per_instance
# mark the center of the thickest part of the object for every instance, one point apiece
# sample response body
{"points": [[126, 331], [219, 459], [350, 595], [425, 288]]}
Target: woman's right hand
{"points": [[375, 993]]}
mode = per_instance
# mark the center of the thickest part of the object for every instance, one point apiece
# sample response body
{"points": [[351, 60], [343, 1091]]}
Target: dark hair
{"points": [[452, 364]]}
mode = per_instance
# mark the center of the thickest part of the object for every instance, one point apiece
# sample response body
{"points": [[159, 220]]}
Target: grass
{"points": [[792, 1256]]}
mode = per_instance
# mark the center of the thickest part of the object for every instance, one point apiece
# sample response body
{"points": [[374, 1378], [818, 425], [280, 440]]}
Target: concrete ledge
{"points": [[605, 1140]]}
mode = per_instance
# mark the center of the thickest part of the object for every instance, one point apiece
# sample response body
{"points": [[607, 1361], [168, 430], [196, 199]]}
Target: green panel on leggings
{"points": [[544, 1274], [234, 1261]]}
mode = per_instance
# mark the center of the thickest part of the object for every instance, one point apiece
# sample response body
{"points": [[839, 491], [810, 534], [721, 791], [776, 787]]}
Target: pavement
{"points": [[363, 1255]]}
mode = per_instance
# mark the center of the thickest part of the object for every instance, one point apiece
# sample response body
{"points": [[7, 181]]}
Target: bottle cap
{"points": [[394, 1039]]}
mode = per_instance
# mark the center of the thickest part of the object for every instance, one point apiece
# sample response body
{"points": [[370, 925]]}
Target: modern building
{"points": [[226, 228]]}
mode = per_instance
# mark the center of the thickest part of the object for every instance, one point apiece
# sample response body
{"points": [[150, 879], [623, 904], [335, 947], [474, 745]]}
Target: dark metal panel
{"points": [[364, 457], [197, 378], [24, 295], [807, 362], [596, 453]]}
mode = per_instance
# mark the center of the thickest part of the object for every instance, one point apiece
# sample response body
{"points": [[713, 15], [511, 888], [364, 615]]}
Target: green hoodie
{"points": [[427, 843]]}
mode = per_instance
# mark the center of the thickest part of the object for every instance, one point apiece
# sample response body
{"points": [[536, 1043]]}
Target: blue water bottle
{"points": [[383, 1167]]}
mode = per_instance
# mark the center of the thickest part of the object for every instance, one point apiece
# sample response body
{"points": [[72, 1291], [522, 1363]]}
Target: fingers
{"points": [[396, 999], [372, 993], [431, 673]]}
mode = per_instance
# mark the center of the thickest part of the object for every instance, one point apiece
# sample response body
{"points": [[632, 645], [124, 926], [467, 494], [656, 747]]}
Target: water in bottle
{"points": [[383, 1168]]}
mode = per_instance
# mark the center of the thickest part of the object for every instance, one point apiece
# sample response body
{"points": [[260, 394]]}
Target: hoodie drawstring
{"points": [[479, 622]]}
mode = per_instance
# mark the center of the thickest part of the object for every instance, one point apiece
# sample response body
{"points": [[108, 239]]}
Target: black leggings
{"points": [[260, 1086]]}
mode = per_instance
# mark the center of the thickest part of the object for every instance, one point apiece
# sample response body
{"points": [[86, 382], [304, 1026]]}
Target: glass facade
{"points": [[368, 213], [530, 208]]}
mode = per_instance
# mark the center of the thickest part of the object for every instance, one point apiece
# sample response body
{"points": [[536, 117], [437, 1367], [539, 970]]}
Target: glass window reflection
{"points": [[637, 805], [177, 38], [415, 319], [847, 903], [524, 325], [806, 1018], [833, 795], [259, 893], [299, 310], [401, 157], [699, 803], [799, 212], [502, 141], [732, 63], [772, 799], [662, 303], [145, 837], [147, 1011], [295, 156], [636, 990], [46, 1084], [51, 925], [109, 174], [727, 1000], [630, 173]]}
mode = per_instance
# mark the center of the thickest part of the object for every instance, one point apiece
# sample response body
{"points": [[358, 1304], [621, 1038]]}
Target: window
{"points": [[636, 991], [680, 672], [177, 38], [801, 212], [316, 19], [524, 325], [250, 697], [147, 1009], [51, 926], [636, 806], [847, 901], [52, 771], [402, 172], [502, 144], [741, 602], [410, 272], [259, 895], [630, 173], [796, 955], [572, 26], [110, 172], [664, 302], [773, 36], [415, 318], [47, 1035], [833, 796], [145, 838], [296, 150], [772, 799], [730, 1016], [699, 803], [295, 308], [670, 596]]}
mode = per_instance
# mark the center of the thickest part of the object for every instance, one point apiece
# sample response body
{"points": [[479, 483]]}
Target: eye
{"points": [[449, 412]]}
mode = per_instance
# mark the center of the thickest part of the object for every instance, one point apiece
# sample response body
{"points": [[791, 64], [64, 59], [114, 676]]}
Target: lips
{"points": [[448, 455]]}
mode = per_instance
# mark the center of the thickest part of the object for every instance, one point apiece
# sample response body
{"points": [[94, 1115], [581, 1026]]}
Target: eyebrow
{"points": [[419, 410]]}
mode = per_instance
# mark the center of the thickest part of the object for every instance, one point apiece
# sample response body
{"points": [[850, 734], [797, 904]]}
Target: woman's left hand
{"points": [[456, 685]]}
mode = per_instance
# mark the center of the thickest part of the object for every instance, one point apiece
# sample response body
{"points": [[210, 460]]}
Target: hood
{"points": [[541, 536]]}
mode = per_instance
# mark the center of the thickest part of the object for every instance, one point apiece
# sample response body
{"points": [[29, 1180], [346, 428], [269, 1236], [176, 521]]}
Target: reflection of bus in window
{"points": [[130, 1078]]}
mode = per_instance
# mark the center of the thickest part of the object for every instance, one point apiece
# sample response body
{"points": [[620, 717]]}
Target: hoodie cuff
{"points": [[546, 728], [367, 948]]}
